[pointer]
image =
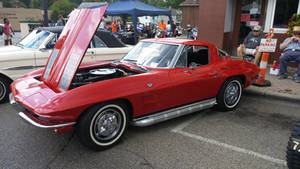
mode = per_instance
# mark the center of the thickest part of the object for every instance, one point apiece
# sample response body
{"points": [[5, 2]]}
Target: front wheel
{"points": [[293, 149], [4, 90], [102, 125], [230, 94]]}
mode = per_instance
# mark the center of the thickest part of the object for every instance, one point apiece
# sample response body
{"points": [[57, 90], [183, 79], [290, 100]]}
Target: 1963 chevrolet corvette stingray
{"points": [[157, 80]]}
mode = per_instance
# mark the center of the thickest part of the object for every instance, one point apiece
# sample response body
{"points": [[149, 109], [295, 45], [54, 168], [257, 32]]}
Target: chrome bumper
{"points": [[28, 119], [24, 114]]}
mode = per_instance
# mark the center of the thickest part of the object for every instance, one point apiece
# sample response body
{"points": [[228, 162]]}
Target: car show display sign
{"points": [[267, 45]]}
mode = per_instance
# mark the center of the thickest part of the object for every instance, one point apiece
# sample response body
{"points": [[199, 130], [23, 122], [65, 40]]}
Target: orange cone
{"points": [[263, 66]]}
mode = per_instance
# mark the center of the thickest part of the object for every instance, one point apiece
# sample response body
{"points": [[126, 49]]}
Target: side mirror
{"points": [[193, 66]]}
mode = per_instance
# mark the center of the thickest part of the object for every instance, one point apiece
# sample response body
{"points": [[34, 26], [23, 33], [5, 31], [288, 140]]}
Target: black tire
{"points": [[293, 149], [4, 89], [111, 117], [230, 94]]}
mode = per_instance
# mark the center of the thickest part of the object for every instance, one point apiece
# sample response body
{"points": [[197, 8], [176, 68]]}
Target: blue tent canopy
{"points": [[135, 9], [131, 8]]}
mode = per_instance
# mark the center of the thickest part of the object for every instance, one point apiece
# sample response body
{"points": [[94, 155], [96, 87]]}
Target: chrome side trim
{"points": [[173, 113], [21, 114]]}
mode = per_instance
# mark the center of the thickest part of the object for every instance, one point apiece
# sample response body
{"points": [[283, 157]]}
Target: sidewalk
{"points": [[286, 89]]}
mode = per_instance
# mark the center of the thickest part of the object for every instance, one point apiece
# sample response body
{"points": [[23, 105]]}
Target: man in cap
{"points": [[251, 44], [291, 52]]}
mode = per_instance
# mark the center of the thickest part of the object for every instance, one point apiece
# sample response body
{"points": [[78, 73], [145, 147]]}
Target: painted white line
{"points": [[183, 125], [234, 148]]}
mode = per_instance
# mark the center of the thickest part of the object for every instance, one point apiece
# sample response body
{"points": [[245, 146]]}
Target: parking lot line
{"points": [[179, 130]]}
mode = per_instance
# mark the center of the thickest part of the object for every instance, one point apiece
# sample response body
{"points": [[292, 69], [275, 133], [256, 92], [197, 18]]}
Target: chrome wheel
{"points": [[2, 90], [107, 124], [232, 93]]}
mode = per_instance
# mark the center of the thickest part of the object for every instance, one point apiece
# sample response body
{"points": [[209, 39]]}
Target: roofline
{"points": [[189, 5]]}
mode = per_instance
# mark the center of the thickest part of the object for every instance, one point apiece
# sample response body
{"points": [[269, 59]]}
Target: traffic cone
{"points": [[262, 74], [263, 66]]}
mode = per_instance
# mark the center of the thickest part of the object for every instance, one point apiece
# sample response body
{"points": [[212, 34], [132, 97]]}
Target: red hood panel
{"points": [[71, 47]]}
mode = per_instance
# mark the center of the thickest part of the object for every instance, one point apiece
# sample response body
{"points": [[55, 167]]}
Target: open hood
{"points": [[71, 47]]}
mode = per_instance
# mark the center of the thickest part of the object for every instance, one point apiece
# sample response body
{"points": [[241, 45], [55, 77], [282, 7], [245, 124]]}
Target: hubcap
{"points": [[232, 93], [2, 90], [107, 124]]}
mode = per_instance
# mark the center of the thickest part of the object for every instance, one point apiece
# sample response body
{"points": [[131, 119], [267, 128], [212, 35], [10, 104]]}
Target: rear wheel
{"points": [[230, 94], [4, 90], [293, 149], [103, 125]]}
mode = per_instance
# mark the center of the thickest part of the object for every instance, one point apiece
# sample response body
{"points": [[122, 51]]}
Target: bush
{"points": [[293, 21]]}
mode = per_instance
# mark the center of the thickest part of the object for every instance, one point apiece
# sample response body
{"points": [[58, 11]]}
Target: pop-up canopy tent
{"points": [[134, 9]]}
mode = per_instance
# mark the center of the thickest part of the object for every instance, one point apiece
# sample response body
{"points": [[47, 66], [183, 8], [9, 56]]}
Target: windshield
{"points": [[151, 54], [34, 39]]}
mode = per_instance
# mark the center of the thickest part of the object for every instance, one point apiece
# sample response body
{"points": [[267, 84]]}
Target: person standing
{"points": [[291, 52], [251, 44], [7, 33], [114, 27], [102, 24], [162, 25], [60, 21]]}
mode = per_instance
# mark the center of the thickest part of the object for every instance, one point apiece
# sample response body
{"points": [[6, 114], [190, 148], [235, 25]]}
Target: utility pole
{"points": [[45, 7]]}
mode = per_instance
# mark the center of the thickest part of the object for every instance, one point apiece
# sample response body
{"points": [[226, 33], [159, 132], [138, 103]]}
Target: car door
{"points": [[16, 62], [90, 53], [102, 52], [196, 81]]}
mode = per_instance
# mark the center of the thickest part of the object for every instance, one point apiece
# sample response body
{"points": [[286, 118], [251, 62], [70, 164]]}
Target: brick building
{"points": [[227, 22]]}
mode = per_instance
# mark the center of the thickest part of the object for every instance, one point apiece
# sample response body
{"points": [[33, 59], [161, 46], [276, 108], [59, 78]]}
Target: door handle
{"points": [[90, 52], [213, 74]]}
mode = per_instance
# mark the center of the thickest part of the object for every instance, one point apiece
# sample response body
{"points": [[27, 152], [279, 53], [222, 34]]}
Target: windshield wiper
{"points": [[20, 45], [139, 68], [130, 60]]}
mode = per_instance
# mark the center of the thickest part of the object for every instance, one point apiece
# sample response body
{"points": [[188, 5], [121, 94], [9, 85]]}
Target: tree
{"points": [[61, 7], [39, 3]]}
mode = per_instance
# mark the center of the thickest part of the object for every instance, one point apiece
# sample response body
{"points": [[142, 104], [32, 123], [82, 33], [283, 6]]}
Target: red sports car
{"points": [[157, 80]]}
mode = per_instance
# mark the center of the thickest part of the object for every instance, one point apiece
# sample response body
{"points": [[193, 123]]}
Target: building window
{"points": [[283, 11], [278, 13]]}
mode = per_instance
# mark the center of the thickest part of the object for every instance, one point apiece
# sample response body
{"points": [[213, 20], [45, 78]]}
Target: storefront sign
{"points": [[253, 23], [245, 17], [267, 45]]}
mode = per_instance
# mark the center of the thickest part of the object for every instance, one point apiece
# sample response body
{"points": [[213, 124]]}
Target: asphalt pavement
{"points": [[253, 136]]}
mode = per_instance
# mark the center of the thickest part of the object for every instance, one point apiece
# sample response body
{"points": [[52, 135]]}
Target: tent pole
{"points": [[134, 22]]}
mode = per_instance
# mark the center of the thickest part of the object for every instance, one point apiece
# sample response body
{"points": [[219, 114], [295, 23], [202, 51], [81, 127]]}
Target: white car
{"points": [[32, 52]]}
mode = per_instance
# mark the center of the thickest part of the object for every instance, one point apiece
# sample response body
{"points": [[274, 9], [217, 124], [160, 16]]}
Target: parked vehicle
{"points": [[159, 79], [33, 51], [293, 148]]}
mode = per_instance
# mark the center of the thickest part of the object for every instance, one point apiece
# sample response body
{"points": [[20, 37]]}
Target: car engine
{"points": [[87, 76]]}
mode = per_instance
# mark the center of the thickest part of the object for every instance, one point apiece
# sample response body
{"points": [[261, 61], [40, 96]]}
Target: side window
{"points": [[51, 43], [98, 43], [198, 55], [222, 53], [182, 60]]}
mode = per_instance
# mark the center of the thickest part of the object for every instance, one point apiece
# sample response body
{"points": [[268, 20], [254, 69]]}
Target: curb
{"points": [[274, 95]]}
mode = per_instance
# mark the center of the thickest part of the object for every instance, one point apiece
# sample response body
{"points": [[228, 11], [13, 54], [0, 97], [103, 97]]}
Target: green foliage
{"points": [[39, 3], [61, 7], [293, 21], [12, 3], [164, 4]]}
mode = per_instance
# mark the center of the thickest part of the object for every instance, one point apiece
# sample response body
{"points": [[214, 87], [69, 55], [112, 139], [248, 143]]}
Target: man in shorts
{"points": [[251, 44]]}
